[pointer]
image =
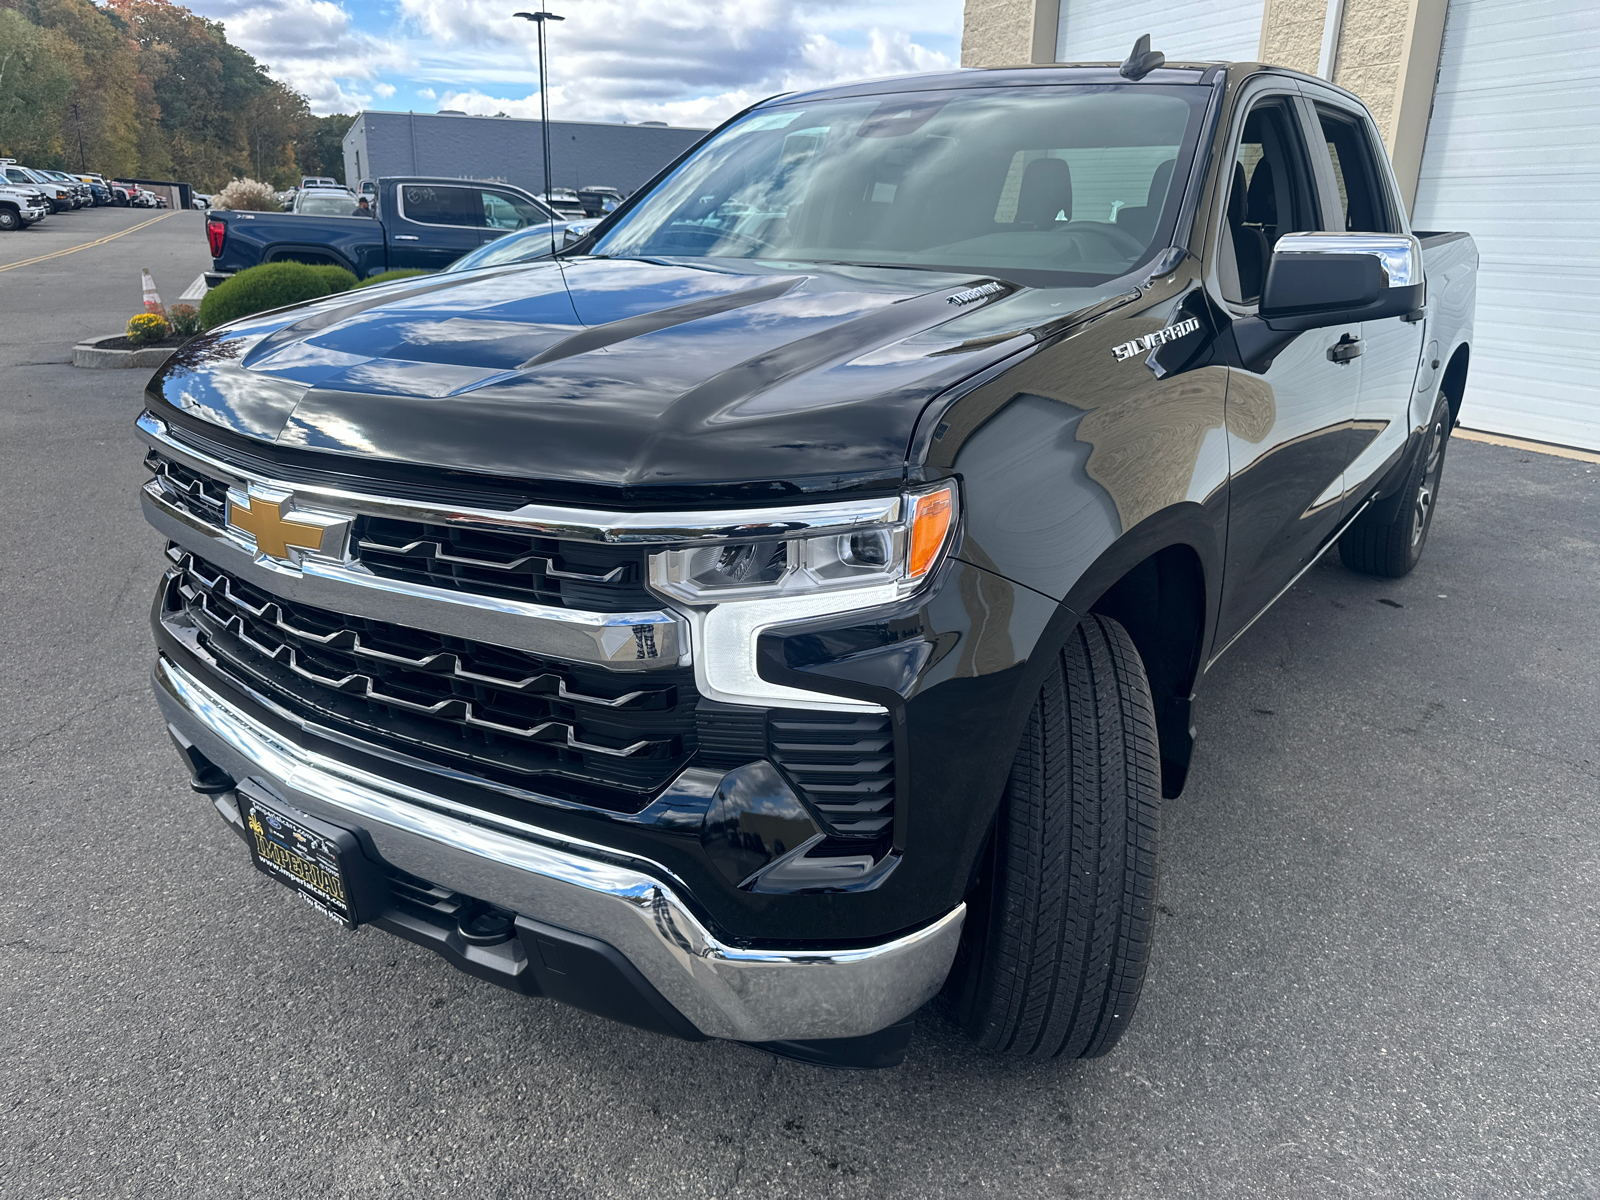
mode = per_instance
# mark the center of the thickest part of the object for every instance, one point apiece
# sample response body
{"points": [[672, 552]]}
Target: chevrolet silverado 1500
{"points": [[790, 602]]}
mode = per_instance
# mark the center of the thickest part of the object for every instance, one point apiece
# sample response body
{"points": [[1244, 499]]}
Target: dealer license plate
{"points": [[317, 860]]}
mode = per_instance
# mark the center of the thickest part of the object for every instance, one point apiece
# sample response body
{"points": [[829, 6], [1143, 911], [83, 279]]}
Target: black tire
{"points": [[1058, 933], [1391, 548], [10, 221]]}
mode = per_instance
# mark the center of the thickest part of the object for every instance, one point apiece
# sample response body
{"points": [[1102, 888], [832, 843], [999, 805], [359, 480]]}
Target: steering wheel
{"points": [[1120, 240]]}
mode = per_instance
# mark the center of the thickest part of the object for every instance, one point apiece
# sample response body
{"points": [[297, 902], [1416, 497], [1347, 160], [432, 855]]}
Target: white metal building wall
{"points": [[1513, 157], [1183, 30]]}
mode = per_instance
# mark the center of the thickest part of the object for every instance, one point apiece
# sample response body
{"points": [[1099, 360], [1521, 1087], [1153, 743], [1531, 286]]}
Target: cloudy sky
{"points": [[686, 62]]}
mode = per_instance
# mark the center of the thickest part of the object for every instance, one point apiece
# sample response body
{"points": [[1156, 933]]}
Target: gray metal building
{"points": [[582, 153]]}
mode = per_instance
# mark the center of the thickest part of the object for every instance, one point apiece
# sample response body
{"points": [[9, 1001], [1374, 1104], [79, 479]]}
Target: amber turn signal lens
{"points": [[930, 526]]}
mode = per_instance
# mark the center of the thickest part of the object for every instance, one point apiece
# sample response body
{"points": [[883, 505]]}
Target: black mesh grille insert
{"points": [[843, 762], [561, 573], [587, 733]]}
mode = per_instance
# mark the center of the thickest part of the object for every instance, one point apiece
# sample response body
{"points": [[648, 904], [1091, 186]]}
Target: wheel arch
{"points": [[1162, 582], [1454, 383], [318, 256]]}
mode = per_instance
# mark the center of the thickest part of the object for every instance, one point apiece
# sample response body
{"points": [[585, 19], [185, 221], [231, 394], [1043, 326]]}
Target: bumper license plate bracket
{"points": [[321, 861]]}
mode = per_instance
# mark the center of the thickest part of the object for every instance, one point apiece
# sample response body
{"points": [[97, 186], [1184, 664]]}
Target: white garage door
{"points": [[1513, 157], [1183, 30]]}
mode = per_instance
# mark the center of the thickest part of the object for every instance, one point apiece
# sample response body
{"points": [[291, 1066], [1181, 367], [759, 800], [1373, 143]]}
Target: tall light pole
{"points": [[539, 18]]}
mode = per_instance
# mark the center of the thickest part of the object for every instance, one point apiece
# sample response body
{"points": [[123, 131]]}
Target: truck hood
{"points": [[622, 374]]}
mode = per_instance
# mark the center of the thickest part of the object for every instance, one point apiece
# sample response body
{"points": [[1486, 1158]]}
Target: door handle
{"points": [[411, 237], [1345, 349]]}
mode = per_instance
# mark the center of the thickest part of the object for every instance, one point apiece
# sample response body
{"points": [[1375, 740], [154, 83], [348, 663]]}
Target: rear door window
{"points": [[441, 204], [1363, 198]]}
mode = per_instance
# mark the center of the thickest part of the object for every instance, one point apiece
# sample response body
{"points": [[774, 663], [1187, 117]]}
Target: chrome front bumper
{"points": [[725, 992]]}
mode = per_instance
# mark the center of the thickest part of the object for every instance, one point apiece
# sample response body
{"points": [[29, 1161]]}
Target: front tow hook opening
{"points": [[205, 776]]}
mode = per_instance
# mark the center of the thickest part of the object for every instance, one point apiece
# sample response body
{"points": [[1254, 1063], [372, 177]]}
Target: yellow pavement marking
{"points": [[1495, 439], [110, 237]]}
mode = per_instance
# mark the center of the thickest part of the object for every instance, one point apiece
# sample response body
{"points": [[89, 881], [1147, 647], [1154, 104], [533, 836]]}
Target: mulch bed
{"points": [[123, 343]]}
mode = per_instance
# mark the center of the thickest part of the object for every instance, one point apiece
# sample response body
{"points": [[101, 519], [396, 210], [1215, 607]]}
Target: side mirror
{"points": [[1320, 279]]}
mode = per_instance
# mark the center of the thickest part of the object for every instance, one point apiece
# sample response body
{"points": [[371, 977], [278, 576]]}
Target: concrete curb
{"points": [[89, 354]]}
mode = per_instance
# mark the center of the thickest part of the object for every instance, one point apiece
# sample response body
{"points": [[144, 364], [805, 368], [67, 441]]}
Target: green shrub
{"points": [[271, 285], [147, 327], [390, 276]]}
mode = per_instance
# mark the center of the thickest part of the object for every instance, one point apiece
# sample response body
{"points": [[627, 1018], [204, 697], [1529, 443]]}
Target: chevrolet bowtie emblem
{"points": [[274, 533]]}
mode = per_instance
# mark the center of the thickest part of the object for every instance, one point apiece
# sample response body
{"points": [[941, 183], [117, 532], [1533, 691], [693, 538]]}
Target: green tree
{"points": [[34, 85], [321, 152]]}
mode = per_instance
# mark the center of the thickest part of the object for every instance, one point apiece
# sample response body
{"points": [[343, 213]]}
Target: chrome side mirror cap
{"points": [[1320, 279]]}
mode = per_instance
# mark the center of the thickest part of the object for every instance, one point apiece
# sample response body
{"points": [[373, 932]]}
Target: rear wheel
{"points": [[1054, 953], [1391, 548]]}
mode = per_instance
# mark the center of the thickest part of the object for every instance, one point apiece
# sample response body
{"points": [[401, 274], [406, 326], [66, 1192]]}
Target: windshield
{"points": [[326, 206], [1070, 180]]}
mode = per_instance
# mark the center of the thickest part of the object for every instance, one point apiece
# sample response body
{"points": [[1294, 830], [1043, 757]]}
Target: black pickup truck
{"points": [[791, 603], [417, 221]]}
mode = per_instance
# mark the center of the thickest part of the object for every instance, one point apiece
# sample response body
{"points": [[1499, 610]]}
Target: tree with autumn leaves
{"points": [[146, 88]]}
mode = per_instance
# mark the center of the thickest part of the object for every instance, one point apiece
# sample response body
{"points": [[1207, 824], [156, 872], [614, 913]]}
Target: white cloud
{"points": [[311, 45], [683, 61], [687, 62]]}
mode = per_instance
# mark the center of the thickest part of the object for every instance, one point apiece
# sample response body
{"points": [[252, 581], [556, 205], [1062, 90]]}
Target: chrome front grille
{"points": [[551, 571], [199, 496], [590, 733]]}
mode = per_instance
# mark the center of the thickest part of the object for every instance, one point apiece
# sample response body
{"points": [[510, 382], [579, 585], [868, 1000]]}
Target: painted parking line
{"points": [[1495, 439], [195, 292], [110, 237]]}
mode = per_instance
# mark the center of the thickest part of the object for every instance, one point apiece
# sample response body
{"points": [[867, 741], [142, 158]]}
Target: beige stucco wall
{"points": [[995, 32], [1388, 54], [1372, 43], [1291, 33]]}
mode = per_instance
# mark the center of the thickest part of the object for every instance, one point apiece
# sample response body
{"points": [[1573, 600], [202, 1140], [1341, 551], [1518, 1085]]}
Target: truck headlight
{"points": [[899, 550], [794, 565]]}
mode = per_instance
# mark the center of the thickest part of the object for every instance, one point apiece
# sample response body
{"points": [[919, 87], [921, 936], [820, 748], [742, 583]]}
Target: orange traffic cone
{"points": [[152, 298]]}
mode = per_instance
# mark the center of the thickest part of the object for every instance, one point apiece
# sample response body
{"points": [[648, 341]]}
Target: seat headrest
{"points": [[1236, 196], [1046, 190], [1262, 208], [1158, 184]]}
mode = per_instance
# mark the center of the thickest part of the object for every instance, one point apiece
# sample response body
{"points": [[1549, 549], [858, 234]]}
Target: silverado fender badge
{"points": [[975, 293], [1159, 338]]}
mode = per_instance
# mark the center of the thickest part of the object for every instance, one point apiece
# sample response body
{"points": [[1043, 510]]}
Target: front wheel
{"points": [[9, 220], [1391, 548], [1054, 952]]}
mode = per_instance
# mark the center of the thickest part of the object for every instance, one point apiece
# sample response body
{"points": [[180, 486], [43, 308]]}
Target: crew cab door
{"points": [[432, 224], [1359, 196], [1290, 424]]}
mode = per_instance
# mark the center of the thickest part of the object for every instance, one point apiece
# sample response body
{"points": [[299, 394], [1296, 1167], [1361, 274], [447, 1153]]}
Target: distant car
{"points": [[57, 194], [20, 206], [325, 202], [598, 200], [200, 200], [320, 181], [565, 203], [524, 245], [99, 192], [369, 189]]}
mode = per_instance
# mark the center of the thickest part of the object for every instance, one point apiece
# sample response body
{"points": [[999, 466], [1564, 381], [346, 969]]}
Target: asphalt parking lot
{"points": [[1378, 960]]}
